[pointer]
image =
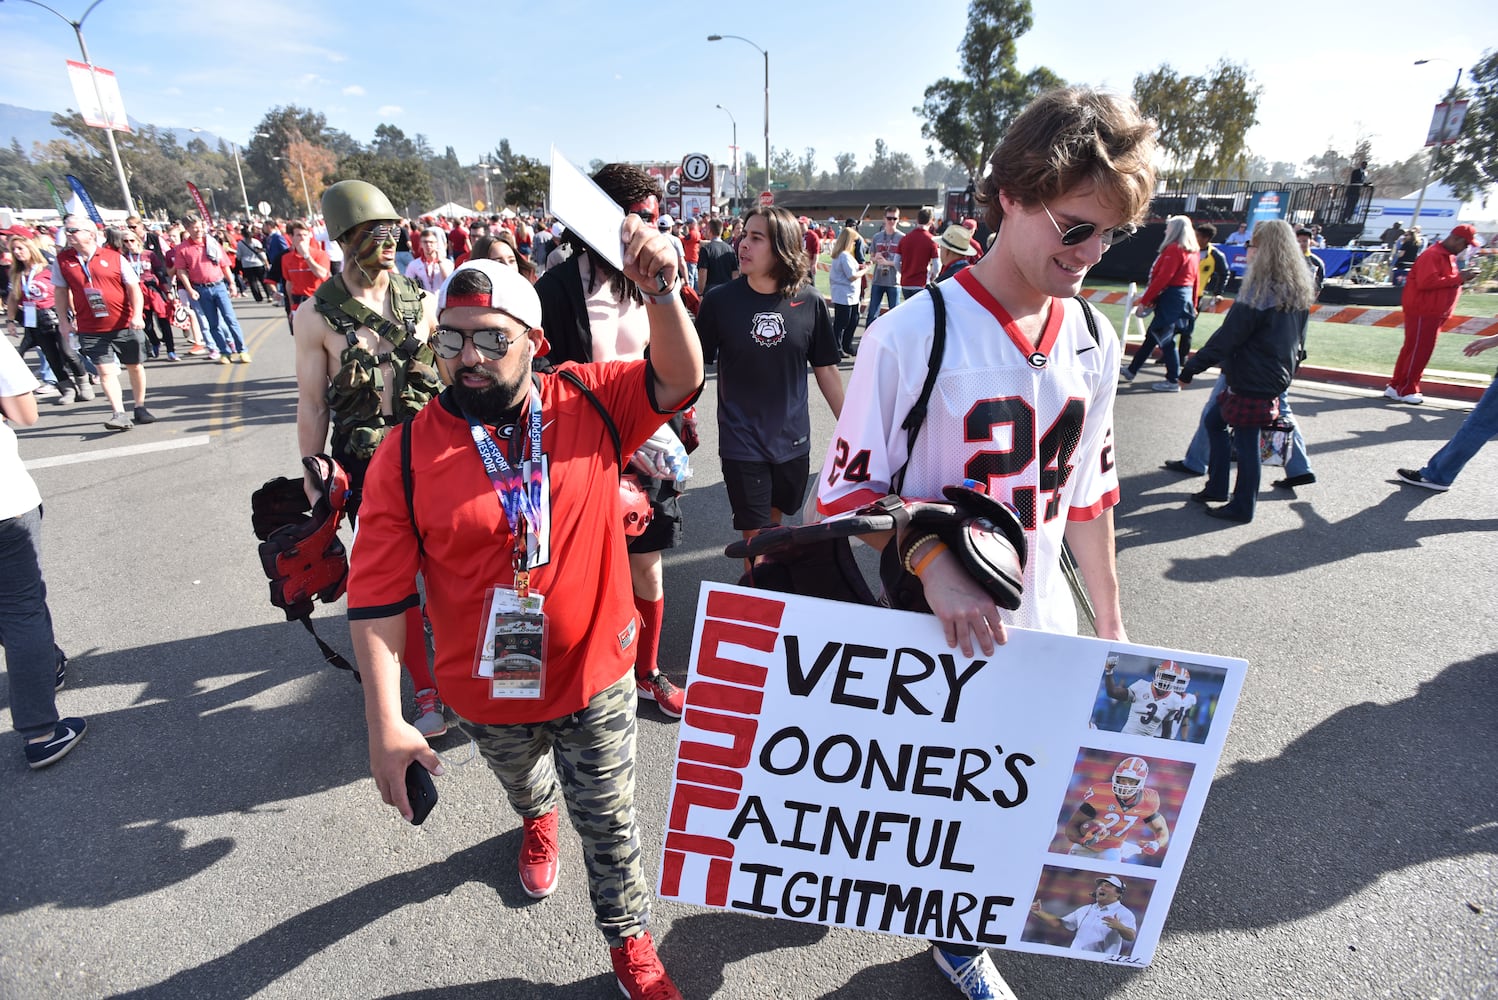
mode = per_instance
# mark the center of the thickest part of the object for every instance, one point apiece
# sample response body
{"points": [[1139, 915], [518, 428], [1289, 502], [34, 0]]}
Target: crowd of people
{"points": [[486, 383]]}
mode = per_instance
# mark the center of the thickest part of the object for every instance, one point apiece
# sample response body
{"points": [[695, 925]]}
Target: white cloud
{"points": [[353, 90], [389, 110]]}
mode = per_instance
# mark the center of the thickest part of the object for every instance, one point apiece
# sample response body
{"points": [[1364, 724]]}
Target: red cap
{"points": [[1464, 232]]}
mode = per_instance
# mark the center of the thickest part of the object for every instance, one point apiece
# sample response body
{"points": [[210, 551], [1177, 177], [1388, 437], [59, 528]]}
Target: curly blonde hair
{"points": [[1277, 276]]}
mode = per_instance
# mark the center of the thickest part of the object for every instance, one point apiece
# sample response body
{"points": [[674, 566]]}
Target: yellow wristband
{"points": [[931, 554]]}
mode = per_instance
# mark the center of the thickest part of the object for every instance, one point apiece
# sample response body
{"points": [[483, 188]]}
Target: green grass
{"points": [[1359, 348]]}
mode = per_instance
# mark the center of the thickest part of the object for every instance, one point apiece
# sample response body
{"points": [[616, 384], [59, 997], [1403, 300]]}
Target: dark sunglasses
{"points": [[489, 342], [70, 232], [891, 218], [1082, 232]]}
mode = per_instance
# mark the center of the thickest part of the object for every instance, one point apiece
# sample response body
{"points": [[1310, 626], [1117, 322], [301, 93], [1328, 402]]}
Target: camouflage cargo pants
{"points": [[593, 755]]}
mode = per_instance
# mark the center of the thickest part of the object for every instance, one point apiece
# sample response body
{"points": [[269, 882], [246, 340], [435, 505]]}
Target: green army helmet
{"points": [[349, 203]]}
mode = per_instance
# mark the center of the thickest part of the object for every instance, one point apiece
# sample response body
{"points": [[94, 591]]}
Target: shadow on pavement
{"points": [[192, 744]]}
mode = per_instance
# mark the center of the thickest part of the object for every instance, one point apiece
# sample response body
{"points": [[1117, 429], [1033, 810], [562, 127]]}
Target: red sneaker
{"points": [[639, 971], [659, 689], [539, 857]]}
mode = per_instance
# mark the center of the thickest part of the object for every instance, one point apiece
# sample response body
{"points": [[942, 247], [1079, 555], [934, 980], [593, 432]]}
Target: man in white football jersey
{"points": [[1178, 726], [1151, 702], [1023, 399]]}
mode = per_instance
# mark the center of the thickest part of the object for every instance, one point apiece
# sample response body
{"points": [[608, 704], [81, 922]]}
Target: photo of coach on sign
{"points": [[842, 764]]}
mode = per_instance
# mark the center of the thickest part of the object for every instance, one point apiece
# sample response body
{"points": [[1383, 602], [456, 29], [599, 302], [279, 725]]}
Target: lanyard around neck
{"points": [[520, 500]]}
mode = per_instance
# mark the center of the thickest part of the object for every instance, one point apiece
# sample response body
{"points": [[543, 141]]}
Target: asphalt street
{"points": [[217, 833]]}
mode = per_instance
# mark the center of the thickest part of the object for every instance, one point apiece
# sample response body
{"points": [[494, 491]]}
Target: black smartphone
{"points": [[421, 791]]}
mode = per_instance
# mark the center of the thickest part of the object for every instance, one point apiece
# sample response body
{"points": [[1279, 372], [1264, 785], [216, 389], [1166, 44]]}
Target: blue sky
{"points": [[633, 82]]}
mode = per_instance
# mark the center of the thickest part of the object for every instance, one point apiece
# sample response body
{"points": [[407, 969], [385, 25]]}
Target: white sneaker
{"points": [[974, 976], [1414, 398], [1390, 392]]}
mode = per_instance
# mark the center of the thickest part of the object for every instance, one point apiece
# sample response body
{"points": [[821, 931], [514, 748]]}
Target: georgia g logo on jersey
{"points": [[767, 328]]}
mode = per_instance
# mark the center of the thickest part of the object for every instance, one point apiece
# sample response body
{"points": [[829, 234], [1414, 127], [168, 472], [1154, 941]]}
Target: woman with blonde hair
{"points": [[845, 290], [1172, 295], [1259, 346], [33, 302]]}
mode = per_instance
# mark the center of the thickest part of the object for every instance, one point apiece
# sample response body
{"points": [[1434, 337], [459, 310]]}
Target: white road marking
{"points": [[124, 452]]}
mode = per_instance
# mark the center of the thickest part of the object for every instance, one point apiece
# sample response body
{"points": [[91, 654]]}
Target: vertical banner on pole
{"points": [[197, 198], [88, 203]]}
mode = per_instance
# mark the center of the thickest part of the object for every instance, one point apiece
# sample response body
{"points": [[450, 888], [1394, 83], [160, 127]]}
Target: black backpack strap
{"points": [[408, 484], [608, 421], [1087, 315], [917, 415]]}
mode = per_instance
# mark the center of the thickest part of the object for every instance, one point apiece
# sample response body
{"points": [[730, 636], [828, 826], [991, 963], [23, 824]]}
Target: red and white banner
{"points": [[102, 107], [839, 764], [197, 198]]}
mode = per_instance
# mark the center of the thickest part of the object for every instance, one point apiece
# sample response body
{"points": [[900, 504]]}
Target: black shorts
{"points": [[754, 488], [120, 347], [665, 530]]}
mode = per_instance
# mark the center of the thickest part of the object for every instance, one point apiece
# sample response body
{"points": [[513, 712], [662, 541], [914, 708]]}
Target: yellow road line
{"points": [[222, 419]]}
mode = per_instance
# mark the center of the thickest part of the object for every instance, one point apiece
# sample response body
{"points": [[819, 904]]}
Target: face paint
{"points": [[371, 246], [649, 210]]}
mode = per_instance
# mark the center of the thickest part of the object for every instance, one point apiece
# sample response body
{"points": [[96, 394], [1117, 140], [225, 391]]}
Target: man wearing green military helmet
{"points": [[362, 366]]}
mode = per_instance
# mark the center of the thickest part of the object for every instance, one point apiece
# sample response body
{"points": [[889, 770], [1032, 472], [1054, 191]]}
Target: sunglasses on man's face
{"points": [[1082, 232], [383, 232], [74, 232], [490, 342]]}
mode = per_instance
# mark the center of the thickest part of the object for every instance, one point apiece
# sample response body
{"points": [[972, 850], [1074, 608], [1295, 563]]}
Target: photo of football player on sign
{"points": [[1158, 698], [1121, 807]]}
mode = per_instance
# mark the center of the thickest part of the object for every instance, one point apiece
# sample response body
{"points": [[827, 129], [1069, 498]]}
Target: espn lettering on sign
{"points": [[838, 764]]}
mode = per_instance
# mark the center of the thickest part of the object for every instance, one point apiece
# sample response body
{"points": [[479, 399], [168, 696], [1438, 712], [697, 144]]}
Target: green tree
{"points": [[529, 183], [1470, 164], [806, 168], [966, 117], [847, 169], [404, 180], [390, 143], [889, 170], [1203, 120], [20, 184], [785, 164]]}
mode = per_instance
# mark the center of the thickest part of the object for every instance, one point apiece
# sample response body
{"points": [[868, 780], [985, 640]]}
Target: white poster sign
{"points": [[103, 108], [585, 209], [839, 764], [1446, 123]]}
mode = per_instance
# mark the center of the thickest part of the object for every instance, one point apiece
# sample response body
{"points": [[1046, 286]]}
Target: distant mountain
{"points": [[32, 126]]}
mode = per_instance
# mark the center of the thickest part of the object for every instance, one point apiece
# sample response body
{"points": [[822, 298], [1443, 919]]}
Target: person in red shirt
{"points": [[691, 249], [1429, 298], [304, 266], [98, 294], [508, 469], [918, 255], [201, 263], [1172, 295], [457, 243], [813, 243]]}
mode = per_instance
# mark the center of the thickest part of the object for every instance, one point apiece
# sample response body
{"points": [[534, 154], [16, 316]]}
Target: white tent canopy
{"points": [[452, 210]]}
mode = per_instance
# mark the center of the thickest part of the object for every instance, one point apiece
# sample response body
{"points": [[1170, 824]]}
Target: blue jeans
{"points": [[222, 326], [26, 626], [877, 292], [1173, 314], [1244, 441], [1197, 452], [1480, 427]]}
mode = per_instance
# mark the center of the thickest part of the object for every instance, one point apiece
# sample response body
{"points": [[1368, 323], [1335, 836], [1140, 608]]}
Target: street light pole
{"points": [[114, 150], [305, 195], [1440, 140], [737, 191], [766, 54]]}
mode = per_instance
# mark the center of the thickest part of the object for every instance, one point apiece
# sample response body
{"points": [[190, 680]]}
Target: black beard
{"points": [[495, 404]]}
